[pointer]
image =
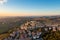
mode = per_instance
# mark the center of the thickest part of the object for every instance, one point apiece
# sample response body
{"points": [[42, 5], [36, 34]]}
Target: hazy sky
{"points": [[29, 7]]}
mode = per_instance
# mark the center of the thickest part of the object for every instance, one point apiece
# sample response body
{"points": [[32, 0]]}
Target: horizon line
{"points": [[30, 16]]}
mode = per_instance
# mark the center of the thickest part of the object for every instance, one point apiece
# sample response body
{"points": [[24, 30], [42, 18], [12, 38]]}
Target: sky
{"points": [[29, 7]]}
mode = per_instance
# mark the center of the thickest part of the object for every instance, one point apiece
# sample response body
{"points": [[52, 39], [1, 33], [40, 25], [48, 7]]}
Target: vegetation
{"points": [[2, 36], [52, 36]]}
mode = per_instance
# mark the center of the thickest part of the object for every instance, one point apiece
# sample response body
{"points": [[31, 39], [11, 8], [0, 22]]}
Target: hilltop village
{"points": [[32, 28], [35, 25]]}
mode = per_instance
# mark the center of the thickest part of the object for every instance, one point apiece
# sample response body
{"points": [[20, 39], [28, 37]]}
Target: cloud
{"points": [[2, 2]]}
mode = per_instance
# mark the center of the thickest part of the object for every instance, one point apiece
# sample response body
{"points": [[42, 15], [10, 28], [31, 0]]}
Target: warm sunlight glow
{"points": [[3, 1]]}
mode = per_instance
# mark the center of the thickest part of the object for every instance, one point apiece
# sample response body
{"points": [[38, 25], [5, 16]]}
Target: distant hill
{"points": [[6, 23]]}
